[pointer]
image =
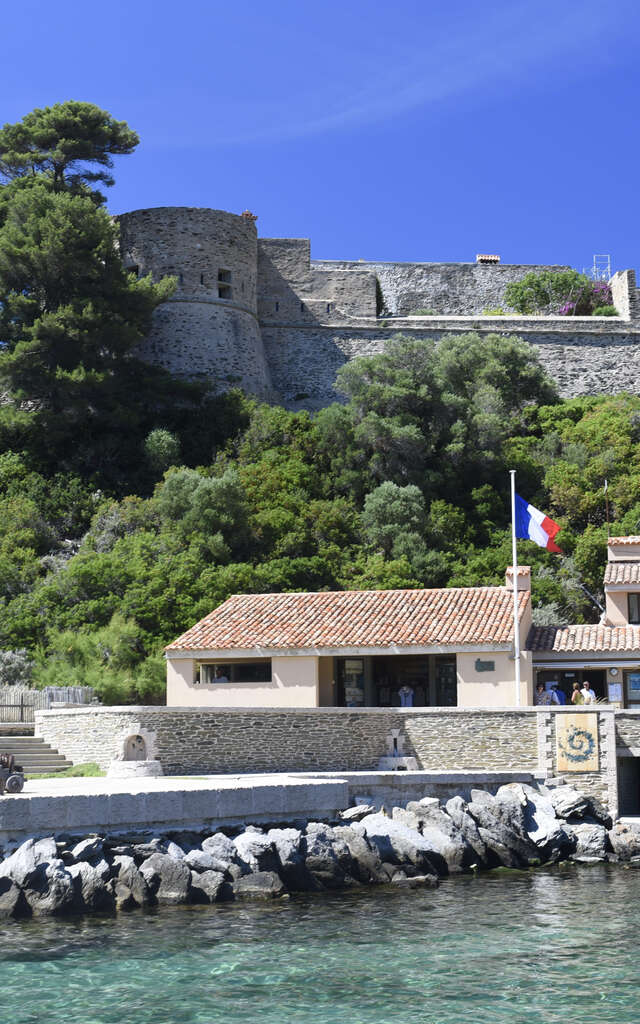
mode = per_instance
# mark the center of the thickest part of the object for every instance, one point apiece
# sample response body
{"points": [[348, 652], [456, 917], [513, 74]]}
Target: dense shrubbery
{"points": [[562, 293]]}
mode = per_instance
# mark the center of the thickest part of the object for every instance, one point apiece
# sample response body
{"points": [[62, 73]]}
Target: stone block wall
{"points": [[583, 355], [198, 740], [458, 289]]}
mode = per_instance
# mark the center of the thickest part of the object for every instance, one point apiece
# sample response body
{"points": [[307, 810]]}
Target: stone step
{"points": [[34, 755]]}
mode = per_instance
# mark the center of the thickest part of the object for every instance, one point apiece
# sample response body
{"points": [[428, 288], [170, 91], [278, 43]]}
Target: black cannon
{"points": [[11, 775]]}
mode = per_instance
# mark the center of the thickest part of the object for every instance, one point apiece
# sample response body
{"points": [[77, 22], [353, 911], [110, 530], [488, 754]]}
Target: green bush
{"points": [[498, 311], [423, 312], [605, 311]]}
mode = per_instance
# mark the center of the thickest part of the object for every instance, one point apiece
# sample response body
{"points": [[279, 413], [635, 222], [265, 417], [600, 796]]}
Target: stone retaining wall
{"points": [[195, 740], [192, 741]]}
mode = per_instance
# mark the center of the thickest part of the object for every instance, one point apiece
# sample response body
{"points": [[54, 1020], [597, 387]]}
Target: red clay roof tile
{"points": [[357, 618], [584, 638]]}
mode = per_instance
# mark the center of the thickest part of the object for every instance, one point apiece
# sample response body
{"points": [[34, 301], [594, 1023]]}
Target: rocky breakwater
{"points": [[414, 845]]}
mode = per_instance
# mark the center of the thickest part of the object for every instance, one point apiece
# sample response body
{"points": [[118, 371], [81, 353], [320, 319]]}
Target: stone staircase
{"points": [[33, 754]]}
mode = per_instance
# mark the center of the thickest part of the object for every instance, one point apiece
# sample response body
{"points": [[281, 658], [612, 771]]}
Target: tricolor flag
{"points": [[534, 525]]}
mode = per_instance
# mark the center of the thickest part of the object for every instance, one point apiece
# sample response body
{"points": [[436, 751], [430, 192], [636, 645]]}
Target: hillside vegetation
{"points": [[132, 504]]}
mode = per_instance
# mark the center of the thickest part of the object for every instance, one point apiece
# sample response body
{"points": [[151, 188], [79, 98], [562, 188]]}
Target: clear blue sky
{"points": [[405, 130]]}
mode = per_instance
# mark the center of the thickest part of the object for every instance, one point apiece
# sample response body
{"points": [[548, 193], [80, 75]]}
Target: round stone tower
{"points": [[208, 330]]}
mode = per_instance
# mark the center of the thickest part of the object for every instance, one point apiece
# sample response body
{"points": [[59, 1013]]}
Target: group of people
{"points": [[554, 695]]}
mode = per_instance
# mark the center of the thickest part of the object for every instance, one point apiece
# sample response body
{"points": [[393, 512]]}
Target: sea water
{"points": [[551, 945]]}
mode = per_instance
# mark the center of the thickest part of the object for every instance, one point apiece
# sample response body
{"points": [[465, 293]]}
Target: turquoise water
{"points": [[554, 945]]}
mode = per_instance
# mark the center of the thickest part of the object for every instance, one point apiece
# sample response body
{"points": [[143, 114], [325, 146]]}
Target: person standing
{"points": [[558, 696], [542, 697], [588, 694], [576, 694], [405, 694]]}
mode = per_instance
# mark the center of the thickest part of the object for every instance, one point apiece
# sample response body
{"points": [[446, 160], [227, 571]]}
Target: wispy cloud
{"points": [[506, 45]]}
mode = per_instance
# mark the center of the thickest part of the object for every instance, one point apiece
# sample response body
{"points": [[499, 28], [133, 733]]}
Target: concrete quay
{"points": [[111, 806]]}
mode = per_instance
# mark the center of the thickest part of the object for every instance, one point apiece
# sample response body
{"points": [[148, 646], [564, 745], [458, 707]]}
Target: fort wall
{"points": [[586, 356], [449, 289], [261, 314]]}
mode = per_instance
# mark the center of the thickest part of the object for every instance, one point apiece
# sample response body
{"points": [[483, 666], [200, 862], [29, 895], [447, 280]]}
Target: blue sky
{"points": [[400, 131]]}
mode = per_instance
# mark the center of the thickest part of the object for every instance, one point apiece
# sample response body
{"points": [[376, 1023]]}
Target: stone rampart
{"points": [[585, 355], [461, 289]]}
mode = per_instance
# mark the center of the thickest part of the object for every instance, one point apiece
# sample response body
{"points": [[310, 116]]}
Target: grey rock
{"points": [[173, 850], [220, 847], [450, 852], [589, 840], [141, 851], [501, 824], [90, 891], [168, 879], [23, 865], [540, 822], [256, 850], [457, 810], [398, 844], [12, 901], [200, 860], [625, 841], [358, 812], [427, 802], [87, 849], [103, 868], [130, 888], [366, 866], [288, 844], [327, 856], [209, 887], [416, 882], [261, 885], [50, 889], [568, 802], [598, 812]]}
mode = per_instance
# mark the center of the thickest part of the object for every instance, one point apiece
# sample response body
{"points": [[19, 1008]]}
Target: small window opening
{"points": [[302, 307], [201, 278], [277, 306], [242, 287], [181, 278], [224, 284], [328, 307], [634, 609], [134, 270]]}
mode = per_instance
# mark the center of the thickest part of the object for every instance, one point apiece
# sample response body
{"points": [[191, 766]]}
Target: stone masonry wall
{"points": [[585, 358], [458, 289], [192, 741]]}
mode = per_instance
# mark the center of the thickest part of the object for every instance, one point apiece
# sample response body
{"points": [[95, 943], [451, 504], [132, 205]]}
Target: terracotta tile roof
{"points": [[622, 572], [357, 618], [632, 539], [584, 638]]}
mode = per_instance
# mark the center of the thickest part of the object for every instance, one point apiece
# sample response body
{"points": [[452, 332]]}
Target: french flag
{"points": [[534, 525]]}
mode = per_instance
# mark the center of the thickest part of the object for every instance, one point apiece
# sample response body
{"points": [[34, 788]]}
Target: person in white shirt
{"points": [[588, 694]]}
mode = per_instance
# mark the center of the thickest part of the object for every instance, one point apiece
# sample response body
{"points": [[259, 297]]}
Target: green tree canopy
{"points": [[62, 142]]}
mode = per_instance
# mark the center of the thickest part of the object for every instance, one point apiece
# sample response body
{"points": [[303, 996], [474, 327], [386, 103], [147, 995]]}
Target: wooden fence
{"points": [[17, 704]]}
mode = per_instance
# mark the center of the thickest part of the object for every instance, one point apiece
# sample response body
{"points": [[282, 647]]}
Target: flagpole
{"points": [[514, 558]]}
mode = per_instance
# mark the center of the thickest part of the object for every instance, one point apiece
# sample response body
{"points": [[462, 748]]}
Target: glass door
{"points": [[351, 682], [632, 689]]}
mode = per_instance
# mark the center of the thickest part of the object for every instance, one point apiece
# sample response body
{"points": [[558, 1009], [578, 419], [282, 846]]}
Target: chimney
{"points": [[524, 577]]}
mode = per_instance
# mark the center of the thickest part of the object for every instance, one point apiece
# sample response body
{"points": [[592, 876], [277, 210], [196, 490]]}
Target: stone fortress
{"points": [[259, 313]]}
